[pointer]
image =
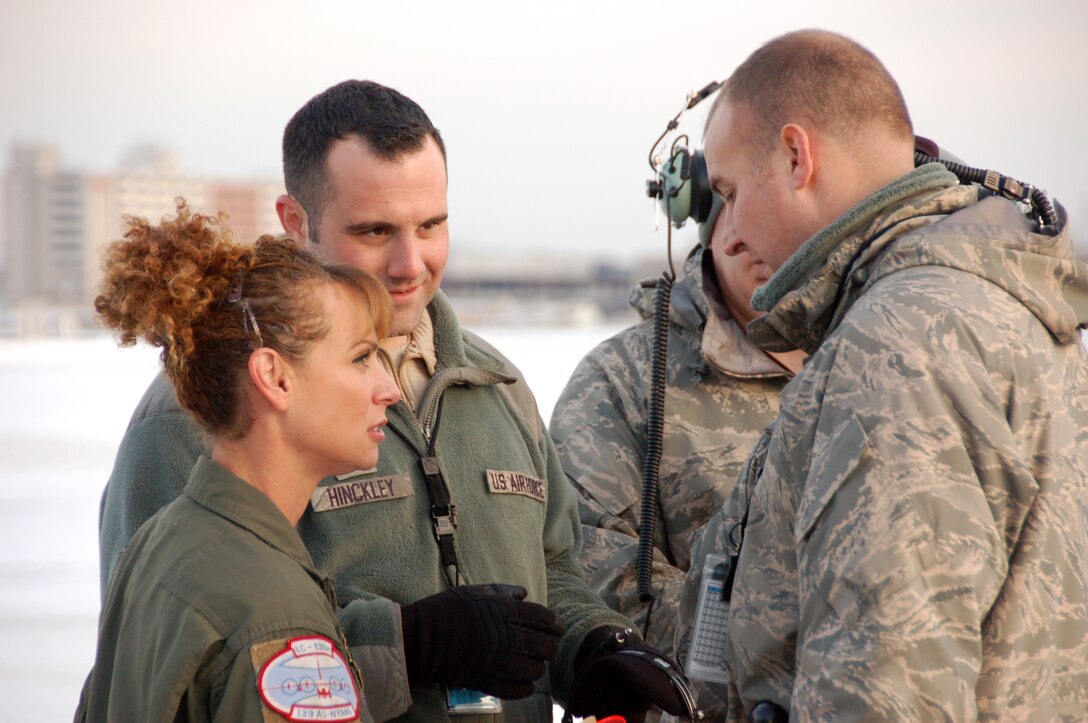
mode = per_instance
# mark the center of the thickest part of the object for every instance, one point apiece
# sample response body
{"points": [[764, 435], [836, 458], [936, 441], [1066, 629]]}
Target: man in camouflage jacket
{"points": [[721, 392], [916, 544]]}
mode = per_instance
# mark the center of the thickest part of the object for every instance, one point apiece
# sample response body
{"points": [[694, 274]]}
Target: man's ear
{"points": [[293, 218], [271, 377], [798, 147]]}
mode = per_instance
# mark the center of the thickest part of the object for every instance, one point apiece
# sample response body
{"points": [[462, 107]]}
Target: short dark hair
{"points": [[390, 123], [817, 77]]}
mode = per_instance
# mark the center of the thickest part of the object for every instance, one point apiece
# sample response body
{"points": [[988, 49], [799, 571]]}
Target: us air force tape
{"points": [[358, 489], [304, 679], [515, 483]]}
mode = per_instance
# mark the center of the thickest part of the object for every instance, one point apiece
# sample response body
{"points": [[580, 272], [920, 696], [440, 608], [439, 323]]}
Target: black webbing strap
{"points": [[443, 513]]}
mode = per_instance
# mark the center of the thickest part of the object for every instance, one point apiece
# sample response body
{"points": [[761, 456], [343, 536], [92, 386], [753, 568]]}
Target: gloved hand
{"points": [[482, 637], [616, 673]]}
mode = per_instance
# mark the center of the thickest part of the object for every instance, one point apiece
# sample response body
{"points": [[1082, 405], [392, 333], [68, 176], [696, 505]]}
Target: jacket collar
{"points": [[696, 305], [449, 346], [457, 362], [806, 296], [216, 489], [856, 224]]}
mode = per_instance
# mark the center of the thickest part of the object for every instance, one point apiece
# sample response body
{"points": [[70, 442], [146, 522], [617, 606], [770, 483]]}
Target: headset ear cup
{"points": [[676, 194], [685, 186], [702, 197]]}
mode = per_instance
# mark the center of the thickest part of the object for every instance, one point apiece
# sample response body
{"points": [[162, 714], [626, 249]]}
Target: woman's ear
{"points": [[271, 376]]}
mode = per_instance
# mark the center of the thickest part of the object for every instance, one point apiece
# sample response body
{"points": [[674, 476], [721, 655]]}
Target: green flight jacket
{"points": [[916, 545], [380, 546], [206, 594]]}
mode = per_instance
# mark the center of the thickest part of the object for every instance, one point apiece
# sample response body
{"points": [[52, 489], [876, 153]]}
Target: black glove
{"points": [[483, 637], [615, 673]]}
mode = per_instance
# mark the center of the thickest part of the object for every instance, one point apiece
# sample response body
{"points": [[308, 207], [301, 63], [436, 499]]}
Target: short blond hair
{"points": [[815, 78]]}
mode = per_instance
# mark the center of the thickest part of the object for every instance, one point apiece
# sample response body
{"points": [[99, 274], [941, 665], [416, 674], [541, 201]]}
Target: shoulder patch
{"points": [[515, 483], [304, 679]]}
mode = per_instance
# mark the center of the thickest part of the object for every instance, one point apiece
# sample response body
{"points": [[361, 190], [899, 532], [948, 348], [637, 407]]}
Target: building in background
{"points": [[56, 221]]}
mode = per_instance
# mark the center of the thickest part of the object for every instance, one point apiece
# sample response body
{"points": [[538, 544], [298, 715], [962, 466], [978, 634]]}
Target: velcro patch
{"points": [[360, 490], [304, 679], [516, 483]]}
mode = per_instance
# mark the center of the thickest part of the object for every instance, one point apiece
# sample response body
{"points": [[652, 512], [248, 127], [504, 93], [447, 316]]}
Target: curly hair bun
{"points": [[160, 280]]}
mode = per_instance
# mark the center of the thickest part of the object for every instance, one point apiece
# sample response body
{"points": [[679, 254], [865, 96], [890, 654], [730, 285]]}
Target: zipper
{"points": [[753, 470], [330, 594], [433, 397]]}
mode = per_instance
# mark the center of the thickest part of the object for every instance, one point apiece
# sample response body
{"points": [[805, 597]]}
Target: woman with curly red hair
{"points": [[216, 610]]}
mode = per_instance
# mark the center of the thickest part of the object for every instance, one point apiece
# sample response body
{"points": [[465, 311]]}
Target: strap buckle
{"points": [[445, 520]]}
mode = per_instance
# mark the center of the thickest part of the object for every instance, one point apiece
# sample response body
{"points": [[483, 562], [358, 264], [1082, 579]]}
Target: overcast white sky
{"points": [[548, 111]]}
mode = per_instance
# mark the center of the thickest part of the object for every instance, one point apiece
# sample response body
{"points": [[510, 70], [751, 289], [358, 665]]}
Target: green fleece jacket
{"points": [[374, 534]]}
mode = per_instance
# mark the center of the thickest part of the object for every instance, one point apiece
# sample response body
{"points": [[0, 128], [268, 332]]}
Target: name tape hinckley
{"points": [[360, 491]]}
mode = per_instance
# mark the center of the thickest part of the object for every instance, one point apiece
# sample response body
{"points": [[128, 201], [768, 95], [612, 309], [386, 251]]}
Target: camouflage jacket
{"points": [[721, 393], [917, 543]]}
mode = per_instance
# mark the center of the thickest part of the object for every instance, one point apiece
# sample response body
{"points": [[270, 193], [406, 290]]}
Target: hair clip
{"points": [[249, 321], [234, 295]]}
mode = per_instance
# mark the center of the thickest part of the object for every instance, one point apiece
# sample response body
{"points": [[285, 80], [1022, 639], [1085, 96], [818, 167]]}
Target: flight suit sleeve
{"points": [[262, 683], [232, 695], [150, 470], [599, 429]]}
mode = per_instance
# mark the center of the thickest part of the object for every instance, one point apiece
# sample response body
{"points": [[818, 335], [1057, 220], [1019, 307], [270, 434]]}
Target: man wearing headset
{"points": [[909, 540], [720, 392], [454, 559]]}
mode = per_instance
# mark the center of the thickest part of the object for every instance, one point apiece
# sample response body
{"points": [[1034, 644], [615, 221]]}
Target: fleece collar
{"points": [[815, 252], [925, 220]]}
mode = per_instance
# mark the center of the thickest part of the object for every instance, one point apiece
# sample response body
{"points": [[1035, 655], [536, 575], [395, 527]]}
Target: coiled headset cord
{"points": [[1042, 210], [655, 429], [655, 426]]}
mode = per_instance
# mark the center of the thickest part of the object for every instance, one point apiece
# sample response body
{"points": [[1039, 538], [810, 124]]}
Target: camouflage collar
{"points": [[816, 251], [724, 343], [687, 307], [805, 313], [696, 308]]}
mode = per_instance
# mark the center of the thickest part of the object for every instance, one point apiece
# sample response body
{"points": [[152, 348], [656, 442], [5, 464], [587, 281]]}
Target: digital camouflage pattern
{"points": [[917, 544], [721, 392]]}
